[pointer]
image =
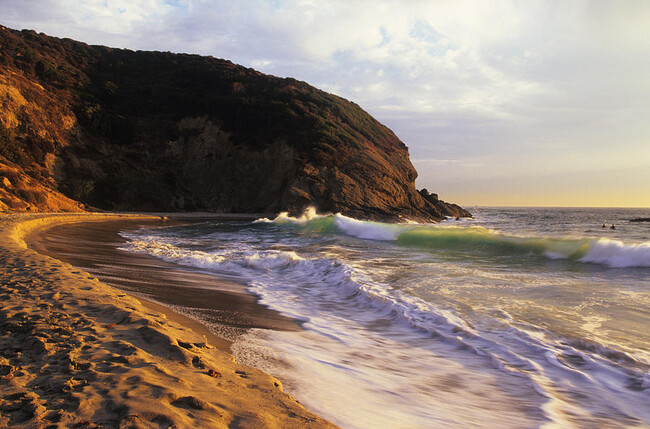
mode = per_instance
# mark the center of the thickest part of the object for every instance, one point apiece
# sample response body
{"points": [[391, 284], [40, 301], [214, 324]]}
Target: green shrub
{"points": [[81, 189], [11, 149], [32, 196]]}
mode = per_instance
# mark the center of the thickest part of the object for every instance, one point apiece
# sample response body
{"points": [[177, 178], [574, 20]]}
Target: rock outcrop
{"points": [[156, 131]]}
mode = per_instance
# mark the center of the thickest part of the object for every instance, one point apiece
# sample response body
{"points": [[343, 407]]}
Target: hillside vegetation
{"points": [[157, 131]]}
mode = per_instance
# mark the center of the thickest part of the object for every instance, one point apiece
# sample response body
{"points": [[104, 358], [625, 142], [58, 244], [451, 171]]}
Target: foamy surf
{"points": [[612, 253], [464, 305]]}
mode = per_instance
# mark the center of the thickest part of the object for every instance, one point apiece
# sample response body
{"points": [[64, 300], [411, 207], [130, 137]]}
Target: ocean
{"points": [[520, 317]]}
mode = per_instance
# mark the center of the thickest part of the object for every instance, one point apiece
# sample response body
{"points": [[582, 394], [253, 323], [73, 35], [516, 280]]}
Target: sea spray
{"points": [[618, 254], [443, 237], [534, 314]]}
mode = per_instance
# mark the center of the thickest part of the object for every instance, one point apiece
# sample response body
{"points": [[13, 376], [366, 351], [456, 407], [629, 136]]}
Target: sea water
{"points": [[516, 318]]}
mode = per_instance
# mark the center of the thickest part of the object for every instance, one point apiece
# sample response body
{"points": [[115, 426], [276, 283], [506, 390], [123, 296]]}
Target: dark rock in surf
{"points": [[428, 196]]}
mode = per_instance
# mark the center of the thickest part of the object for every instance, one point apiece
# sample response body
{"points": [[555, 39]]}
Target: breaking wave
{"points": [[612, 253], [357, 311]]}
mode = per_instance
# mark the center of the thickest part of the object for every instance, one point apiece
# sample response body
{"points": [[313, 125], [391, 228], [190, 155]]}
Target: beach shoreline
{"points": [[214, 306], [76, 351]]}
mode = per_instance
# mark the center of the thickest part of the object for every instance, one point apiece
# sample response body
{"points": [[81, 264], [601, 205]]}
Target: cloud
{"points": [[526, 82]]}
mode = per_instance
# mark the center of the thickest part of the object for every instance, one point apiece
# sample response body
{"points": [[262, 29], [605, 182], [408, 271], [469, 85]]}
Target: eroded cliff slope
{"points": [[124, 130]]}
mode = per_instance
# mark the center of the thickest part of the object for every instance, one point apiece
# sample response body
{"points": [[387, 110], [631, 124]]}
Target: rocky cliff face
{"points": [[124, 130]]}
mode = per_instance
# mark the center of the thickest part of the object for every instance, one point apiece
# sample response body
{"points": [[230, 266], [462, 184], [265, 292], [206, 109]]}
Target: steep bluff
{"points": [[125, 130]]}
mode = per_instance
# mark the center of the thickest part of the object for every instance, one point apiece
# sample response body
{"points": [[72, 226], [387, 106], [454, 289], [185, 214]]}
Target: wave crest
{"points": [[611, 253]]}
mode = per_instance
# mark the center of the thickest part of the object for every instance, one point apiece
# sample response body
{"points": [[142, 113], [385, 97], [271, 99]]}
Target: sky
{"points": [[519, 103]]}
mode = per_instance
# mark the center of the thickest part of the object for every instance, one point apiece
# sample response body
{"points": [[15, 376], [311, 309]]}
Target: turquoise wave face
{"points": [[483, 239], [479, 239]]}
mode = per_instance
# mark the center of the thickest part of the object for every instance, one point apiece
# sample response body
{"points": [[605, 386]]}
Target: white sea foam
{"points": [[334, 301], [284, 217], [617, 254], [169, 252], [237, 262], [332, 280], [345, 225], [361, 329], [601, 251], [368, 230]]}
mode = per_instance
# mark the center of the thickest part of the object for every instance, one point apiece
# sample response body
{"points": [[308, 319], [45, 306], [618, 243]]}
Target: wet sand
{"points": [[76, 352], [223, 307]]}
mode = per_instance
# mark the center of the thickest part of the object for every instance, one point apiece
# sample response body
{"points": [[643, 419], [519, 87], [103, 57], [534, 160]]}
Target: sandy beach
{"points": [[76, 352]]}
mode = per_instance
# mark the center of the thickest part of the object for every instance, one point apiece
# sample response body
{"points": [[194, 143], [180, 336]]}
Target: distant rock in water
{"points": [[156, 131], [640, 219]]}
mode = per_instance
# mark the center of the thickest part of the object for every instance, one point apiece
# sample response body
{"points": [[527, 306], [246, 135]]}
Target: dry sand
{"points": [[75, 352]]}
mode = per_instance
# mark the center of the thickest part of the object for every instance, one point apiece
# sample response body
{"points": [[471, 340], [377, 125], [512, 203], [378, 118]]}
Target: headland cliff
{"points": [[90, 126]]}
